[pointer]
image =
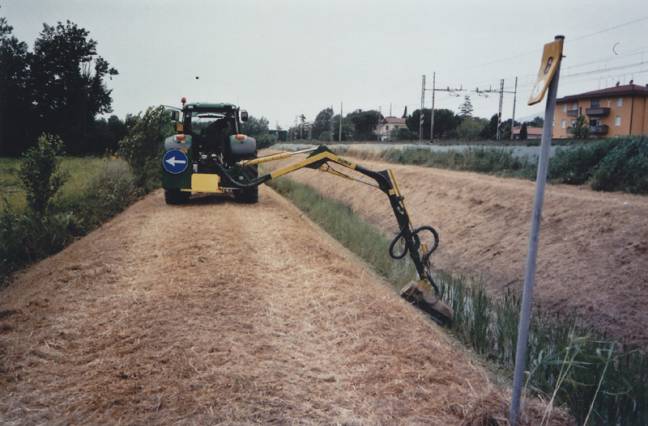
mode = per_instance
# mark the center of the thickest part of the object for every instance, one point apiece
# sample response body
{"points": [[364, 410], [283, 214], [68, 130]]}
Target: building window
{"points": [[617, 121], [565, 108], [619, 102], [563, 124], [575, 105], [553, 124], [595, 103], [387, 127]]}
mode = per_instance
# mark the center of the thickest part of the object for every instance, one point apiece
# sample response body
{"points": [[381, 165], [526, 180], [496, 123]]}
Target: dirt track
{"points": [[218, 312], [593, 256]]}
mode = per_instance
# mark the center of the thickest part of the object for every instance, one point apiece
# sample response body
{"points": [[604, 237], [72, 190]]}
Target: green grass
{"points": [[567, 360], [616, 164], [79, 169]]}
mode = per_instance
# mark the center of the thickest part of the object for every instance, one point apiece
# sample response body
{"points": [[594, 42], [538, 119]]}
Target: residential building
{"points": [[615, 111], [387, 125]]}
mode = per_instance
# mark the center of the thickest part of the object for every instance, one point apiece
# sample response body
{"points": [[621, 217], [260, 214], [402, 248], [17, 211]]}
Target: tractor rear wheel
{"points": [[175, 196]]}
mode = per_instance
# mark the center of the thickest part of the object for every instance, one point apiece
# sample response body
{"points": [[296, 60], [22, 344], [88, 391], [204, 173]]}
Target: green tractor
{"points": [[208, 142]]}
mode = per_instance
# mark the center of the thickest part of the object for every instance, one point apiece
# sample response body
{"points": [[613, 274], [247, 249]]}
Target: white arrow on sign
{"points": [[173, 161]]}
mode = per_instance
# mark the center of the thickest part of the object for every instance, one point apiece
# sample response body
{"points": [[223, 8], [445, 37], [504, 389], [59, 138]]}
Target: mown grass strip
{"points": [[567, 361]]}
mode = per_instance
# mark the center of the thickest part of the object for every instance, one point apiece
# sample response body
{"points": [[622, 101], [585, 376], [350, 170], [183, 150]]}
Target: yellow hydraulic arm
{"points": [[424, 292]]}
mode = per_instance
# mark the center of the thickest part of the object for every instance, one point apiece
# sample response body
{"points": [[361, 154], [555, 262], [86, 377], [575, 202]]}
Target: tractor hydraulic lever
{"points": [[424, 293]]}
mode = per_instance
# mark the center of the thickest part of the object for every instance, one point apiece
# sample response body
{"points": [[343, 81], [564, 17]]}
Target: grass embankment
{"points": [[568, 362], [619, 164], [95, 190]]}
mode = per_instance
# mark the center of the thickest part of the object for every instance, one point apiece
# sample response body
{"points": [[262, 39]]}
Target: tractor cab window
{"points": [[211, 131]]}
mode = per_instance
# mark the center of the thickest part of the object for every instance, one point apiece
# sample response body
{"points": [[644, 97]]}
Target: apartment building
{"points": [[615, 111]]}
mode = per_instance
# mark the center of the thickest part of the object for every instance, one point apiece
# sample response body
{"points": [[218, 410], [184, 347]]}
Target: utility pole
{"points": [[331, 128], [501, 92], [432, 112], [434, 90], [499, 112], [421, 115], [340, 132], [390, 109], [514, 101]]}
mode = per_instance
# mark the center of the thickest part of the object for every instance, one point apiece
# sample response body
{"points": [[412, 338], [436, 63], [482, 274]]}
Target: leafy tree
{"points": [[255, 126], [347, 128], [322, 123], [142, 146], [524, 132], [580, 130], [445, 123], [506, 129], [470, 128], [40, 174], [403, 134], [15, 102], [466, 108], [364, 124], [537, 122], [68, 85], [490, 130]]}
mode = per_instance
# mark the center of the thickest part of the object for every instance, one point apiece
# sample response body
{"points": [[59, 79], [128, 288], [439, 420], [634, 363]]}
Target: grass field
{"points": [[79, 169]]}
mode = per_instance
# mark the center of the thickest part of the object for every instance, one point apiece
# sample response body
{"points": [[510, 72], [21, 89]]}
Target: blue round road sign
{"points": [[175, 161]]}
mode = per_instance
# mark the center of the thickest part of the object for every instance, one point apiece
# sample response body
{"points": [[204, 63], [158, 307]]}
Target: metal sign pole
{"points": [[529, 275]]}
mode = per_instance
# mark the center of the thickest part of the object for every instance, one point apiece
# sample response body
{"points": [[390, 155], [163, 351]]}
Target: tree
{"points": [[142, 147], [347, 128], [466, 108], [364, 123], [537, 122], [40, 173], [16, 126], [490, 130], [255, 126], [580, 130], [67, 81], [445, 123], [470, 128], [322, 123], [524, 132], [403, 134]]}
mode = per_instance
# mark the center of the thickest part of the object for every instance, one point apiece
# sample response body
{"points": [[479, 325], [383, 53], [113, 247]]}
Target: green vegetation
{"points": [[79, 170], [478, 159], [596, 379], [619, 164], [48, 200]]}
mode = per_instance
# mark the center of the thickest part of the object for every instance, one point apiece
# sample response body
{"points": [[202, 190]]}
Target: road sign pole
{"points": [[530, 269]]}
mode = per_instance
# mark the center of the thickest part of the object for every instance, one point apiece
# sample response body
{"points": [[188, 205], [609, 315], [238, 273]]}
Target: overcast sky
{"points": [[281, 58]]}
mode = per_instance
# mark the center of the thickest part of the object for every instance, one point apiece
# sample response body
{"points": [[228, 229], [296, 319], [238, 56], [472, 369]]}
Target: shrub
{"points": [[28, 237], [40, 173], [142, 147], [576, 165], [624, 168], [265, 140], [107, 193]]}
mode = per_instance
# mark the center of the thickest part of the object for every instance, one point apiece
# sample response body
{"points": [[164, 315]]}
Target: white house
{"points": [[387, 125]]}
